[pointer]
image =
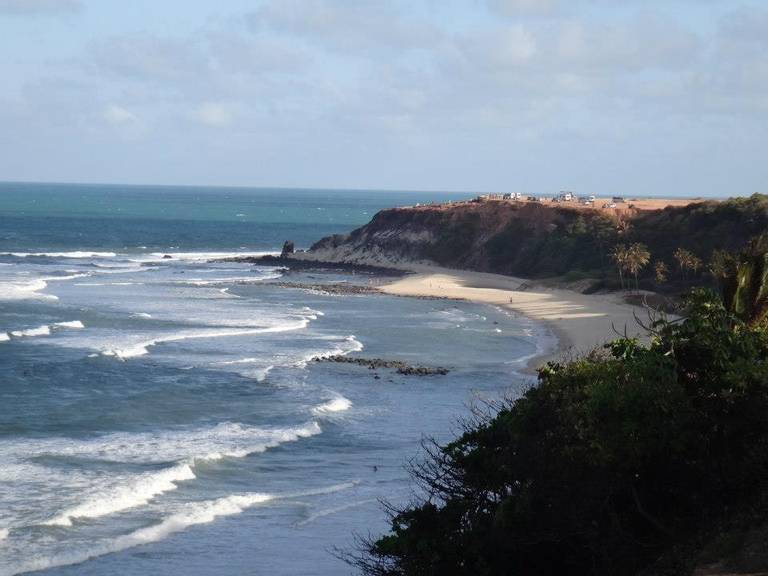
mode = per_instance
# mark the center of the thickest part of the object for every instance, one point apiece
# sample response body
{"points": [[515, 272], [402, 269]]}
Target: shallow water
{"points": [[164, 416]]}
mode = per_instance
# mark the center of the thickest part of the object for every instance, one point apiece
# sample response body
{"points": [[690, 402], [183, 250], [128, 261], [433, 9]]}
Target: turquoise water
{"points": [[40, 217], [165, 416]]}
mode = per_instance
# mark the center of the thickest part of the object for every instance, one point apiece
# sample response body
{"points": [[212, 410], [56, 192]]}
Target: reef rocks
{"points": [[377, 363], [331, 289], [288, 249]]}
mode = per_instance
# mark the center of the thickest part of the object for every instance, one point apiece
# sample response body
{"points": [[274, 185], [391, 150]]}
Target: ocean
{"points": [[166, 415]]}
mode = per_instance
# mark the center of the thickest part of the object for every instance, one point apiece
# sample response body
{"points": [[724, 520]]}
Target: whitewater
{"points": [[163, 411]]}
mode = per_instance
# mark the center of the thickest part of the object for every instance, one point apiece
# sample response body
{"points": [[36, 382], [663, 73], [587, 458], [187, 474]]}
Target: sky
{"points": [[654, 97]]}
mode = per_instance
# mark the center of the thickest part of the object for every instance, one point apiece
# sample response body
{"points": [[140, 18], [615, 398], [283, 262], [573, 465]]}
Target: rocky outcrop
{"points": [[288, 249], [331, 289], [300, 262], [377, 363]]}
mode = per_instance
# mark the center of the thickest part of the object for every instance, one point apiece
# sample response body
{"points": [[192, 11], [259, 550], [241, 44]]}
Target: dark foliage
{"points": [[611, 462], [743, 281]]}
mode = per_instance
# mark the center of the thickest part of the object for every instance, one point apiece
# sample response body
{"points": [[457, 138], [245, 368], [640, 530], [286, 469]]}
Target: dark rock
{"points": [[314, 265], [335, 289], [167, 256], [375, 363], [287, 249]]}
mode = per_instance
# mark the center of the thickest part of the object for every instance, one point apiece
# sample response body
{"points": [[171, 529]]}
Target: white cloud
{"points": [[214, 114], [413, 80], [512, 45], [118, 116], [39, 7]]}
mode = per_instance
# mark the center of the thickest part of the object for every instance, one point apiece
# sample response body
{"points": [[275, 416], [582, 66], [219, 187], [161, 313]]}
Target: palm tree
{"points": [[638, 257], [744, 282], [619, 255], [623, 227], [661, 270], [686, 260], [694, 263]]}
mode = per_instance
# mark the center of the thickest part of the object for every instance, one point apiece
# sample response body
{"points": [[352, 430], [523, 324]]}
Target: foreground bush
{"points": [[609, 463]]}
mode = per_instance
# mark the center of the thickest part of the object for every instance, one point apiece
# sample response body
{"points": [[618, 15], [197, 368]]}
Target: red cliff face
{"points": [[537, 240], [486, 236]]}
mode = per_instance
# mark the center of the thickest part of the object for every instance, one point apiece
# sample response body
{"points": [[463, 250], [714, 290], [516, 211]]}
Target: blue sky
{"points": [[633, 97]]}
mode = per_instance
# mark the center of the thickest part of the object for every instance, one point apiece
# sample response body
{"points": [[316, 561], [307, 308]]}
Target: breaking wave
{"points": [[23, 290], [74, 254], [44, 330], [350, 344], [210, 444], [192, 514], [142, 348], [338, 404], [40, 331], [136, 493]]}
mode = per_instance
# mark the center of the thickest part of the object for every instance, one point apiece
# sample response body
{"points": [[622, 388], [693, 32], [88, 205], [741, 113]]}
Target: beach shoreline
{"points": [[578, 322]]}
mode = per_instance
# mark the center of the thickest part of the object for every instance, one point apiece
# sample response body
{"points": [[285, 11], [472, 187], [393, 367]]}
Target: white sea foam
{"points": [[141, 315], [187, 448], [136, 493], [4, 337], [195, 256], [67, 277], [75, 254], [70, 324], [356, 345], [192, 514], [240, 361], [338, 404], [3, 534], [19, 290], [313, 312], [29, 332], [196, 513], [142, 348], [260, 374], [45, 330], [225, 440], [350, 344], [239, 280]]}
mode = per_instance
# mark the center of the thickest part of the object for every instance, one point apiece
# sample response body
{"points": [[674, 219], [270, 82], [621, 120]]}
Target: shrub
{"points": [[611, 461]]}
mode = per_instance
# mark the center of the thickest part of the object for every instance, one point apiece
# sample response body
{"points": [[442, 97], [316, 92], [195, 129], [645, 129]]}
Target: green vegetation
{"points": [[617, 463], [540, 241], [631, 260], [743, 281]]}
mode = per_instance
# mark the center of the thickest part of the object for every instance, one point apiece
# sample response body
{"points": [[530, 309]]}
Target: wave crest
{"points": [[338, 404]]}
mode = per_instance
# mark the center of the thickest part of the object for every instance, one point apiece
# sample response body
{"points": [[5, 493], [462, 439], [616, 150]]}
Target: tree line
{"points": [[631, 259]]}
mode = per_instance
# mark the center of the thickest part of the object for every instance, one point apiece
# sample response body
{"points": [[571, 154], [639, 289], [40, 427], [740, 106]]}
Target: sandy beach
{"points": [[581, 322]]}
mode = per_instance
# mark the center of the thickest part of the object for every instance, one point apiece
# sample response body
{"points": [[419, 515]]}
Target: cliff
{"points": [[542, 240]]}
